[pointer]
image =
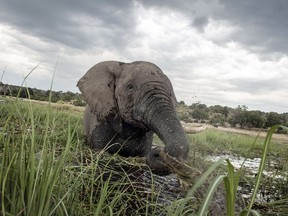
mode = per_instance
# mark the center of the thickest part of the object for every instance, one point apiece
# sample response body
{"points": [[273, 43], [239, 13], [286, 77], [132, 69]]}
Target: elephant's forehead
{"points": [[142, 72]]}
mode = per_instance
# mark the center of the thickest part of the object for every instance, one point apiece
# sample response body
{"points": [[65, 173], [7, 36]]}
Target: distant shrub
{"points": [[79, 102], [60, 102]]}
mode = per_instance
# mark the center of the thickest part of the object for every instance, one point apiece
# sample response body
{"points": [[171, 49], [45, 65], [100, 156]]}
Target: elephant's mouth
{"points": [[129, 131]]}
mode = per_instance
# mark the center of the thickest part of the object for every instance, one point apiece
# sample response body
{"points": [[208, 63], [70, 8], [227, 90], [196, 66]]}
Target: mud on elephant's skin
{"points": [[127, 104]]}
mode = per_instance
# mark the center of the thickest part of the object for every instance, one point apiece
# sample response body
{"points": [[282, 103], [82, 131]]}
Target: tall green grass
{"points": [[32, 158], [217, 142], [47, 170], [231, 182]]}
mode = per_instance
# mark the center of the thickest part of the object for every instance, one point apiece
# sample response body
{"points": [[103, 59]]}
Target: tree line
{"points": [[42, 95], [216, 115], [240, 116]]}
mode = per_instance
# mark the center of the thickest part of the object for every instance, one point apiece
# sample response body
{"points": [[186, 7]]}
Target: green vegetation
{"points": [[42, 95], [227, 116], [215, 142], [196, 112], [212, 142], [46, 169]]}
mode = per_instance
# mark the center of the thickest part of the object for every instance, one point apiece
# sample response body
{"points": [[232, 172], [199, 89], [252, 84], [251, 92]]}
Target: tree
{"points": [[200, 114], [25, 92], [238, 118], [284, 119], [216, 108], [218, 119], [255, 119], [55, 97], [68, 96], [225, 111], [273, 118], [219, 109], [182, 103], [242, 107], [4, 89], [248, 119], [199, 111]]}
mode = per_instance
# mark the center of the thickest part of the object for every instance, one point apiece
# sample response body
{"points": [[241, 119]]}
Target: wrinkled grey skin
{"points": [[127, 103]]}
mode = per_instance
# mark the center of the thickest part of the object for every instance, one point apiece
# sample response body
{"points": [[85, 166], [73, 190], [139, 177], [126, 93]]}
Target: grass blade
{"points": [[198, 183], [230, 182], [262, 165], [212, 188]]}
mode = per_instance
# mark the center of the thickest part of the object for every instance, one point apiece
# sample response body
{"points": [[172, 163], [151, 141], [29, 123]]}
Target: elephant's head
{"points": [[139, 94]]}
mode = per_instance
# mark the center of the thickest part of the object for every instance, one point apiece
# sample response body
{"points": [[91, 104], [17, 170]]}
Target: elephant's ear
{"points": [[97, 87]]}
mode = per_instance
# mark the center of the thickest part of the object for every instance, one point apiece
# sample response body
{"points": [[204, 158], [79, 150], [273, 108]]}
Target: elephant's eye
{"points": [[130, 87]]}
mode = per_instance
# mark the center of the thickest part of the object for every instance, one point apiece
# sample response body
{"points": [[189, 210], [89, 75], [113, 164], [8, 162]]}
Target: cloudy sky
{"points": [[225, 52]]}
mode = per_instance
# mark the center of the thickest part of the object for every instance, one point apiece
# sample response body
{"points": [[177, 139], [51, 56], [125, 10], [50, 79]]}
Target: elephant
{"points": [[126, 104]]}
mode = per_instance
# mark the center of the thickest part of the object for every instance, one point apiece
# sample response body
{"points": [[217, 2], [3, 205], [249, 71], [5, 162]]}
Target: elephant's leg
{"points": [[103, 136], [139, 145]]}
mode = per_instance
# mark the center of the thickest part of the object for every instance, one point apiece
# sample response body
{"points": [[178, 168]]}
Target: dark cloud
{"points": [[258, 86], [263, 23], [77, 24], [200, 22]]}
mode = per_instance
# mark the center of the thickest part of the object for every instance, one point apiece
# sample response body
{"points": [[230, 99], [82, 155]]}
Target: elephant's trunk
{"points": [[160, 116], [165, 123]]}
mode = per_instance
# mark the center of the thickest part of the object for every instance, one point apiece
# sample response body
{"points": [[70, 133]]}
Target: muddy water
{"points": [[248, 164], [267, 193]]}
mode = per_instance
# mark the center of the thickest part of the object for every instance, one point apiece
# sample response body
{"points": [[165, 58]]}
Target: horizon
{"points": [[178, 101]]}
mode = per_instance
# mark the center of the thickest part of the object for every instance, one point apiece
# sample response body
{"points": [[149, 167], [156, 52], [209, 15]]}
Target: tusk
{"points": [[192, 128]]}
